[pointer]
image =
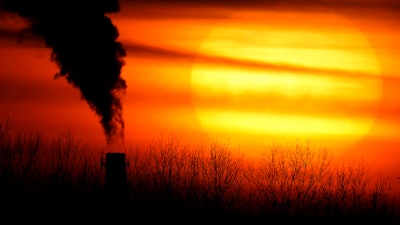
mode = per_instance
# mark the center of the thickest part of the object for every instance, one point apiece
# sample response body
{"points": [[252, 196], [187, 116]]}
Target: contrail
{"points": [[84, 47]]}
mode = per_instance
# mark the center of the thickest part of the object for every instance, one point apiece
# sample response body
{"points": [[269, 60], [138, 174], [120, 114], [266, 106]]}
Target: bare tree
{"points": [[62, 161], [288, 177], [351, 191], [225, 177], [299, 180]]}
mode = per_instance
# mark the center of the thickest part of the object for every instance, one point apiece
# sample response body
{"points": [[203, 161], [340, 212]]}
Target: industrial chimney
{"points": [[116, 185]]}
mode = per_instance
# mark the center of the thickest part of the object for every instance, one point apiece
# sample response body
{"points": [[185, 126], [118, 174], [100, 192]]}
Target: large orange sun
{"points": [[263, 77]]}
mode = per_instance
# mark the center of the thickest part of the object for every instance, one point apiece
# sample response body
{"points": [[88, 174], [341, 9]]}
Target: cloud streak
{"points": [[142, 50], [388, 4]]}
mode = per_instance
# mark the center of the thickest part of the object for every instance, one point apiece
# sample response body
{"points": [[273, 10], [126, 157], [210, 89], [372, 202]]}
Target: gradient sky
{"points": [[253, 73]]}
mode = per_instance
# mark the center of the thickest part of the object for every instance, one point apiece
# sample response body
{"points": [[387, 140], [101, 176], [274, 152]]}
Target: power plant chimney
{"points": [[116, 184]]}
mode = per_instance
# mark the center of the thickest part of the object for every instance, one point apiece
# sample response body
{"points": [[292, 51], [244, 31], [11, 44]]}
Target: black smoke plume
{"points": [[83, 43]]}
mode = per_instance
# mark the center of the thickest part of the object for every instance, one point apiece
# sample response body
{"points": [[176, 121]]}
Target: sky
{"points": [[251, 73]]}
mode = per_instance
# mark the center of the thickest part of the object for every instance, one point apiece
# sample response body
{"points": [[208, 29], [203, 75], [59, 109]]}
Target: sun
{"points": [[262, 77]]}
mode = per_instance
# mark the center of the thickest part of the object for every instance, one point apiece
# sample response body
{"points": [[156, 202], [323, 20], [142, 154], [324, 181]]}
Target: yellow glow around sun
{"points": [[325, 83]]}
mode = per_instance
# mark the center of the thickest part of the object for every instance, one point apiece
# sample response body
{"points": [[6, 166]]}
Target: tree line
{"points": [[207, 181]]}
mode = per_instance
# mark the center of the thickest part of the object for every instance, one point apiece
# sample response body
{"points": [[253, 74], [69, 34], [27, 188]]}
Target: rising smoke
{"points": [[84, 47]]}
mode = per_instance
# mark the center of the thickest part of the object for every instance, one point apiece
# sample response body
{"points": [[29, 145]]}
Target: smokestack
{"points": [[116, 185]]}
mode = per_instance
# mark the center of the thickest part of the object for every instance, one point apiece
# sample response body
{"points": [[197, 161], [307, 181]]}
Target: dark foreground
{"points": [[62, 181], [43, 208]]}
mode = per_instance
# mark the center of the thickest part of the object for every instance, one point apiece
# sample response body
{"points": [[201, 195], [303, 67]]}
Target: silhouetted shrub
{"points": [[205, 182], [198, 178], [298, 181]]}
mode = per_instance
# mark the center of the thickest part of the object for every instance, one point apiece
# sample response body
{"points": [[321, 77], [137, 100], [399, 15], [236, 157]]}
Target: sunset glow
{"points": [[285, 82], [200, 112], [250, 74]]}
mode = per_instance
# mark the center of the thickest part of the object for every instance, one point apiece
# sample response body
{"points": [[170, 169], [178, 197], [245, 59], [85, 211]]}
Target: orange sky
{"points": [[250, 74]]}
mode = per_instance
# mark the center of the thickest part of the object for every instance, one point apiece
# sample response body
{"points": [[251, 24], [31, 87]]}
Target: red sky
{"points": [[249, 73]]}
